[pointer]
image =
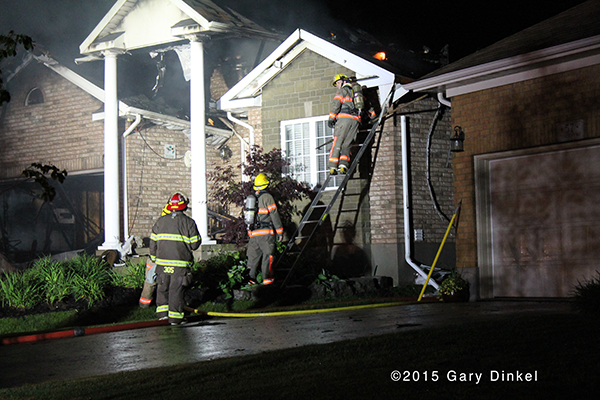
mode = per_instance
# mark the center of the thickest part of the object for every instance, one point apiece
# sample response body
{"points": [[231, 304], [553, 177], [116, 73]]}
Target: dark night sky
{"points": [[466, 25]]}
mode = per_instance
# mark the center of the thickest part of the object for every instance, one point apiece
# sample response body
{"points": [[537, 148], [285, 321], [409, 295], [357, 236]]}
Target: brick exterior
{"points": [[386, 192], [517, 116], [59, 131]]}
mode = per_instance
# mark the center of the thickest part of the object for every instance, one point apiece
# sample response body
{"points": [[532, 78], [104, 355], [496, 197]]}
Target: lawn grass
{"points": [[562, 349]]}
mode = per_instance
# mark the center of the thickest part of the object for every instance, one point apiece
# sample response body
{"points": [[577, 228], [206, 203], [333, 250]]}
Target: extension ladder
{"points": [[313, 225]]}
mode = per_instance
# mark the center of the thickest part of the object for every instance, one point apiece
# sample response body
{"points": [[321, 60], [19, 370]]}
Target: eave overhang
{"points": [[561, 58]]}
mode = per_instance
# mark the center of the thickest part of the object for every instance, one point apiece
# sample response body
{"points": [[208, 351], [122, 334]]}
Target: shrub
{"points": [[56, 280], [454, 283], [229, 190], [20, 289], [91, 278], [214, 272], [587, 295], [132, 275]]}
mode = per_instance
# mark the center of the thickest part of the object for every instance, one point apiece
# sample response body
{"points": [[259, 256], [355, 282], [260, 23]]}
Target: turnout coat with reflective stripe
{"points": [[174, 238], [268, 220], [342, 105]]}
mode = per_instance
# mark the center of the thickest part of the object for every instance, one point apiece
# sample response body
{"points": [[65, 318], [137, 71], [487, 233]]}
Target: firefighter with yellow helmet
{"points": [[264, 226], [344, 118]]}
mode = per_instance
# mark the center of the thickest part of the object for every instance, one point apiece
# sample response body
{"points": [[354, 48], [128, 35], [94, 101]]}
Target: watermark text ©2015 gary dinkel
{"points": [[458, 376]]}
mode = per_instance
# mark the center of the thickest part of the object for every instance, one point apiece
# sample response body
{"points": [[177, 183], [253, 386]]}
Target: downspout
{"points": [[443, 100], [244, 147], [408, 229], [128, 131]]}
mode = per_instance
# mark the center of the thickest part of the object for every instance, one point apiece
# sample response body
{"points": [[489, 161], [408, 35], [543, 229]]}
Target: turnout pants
{"points": [[260, 252], [344, 133], [169, 294]]}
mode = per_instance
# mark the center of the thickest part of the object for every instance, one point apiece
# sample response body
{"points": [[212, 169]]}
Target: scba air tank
{"points": [[358, 99], [250, 210]]}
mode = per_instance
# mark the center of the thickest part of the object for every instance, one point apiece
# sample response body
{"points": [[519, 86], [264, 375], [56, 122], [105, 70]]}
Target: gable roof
{"points": [[567, 41], [246, 93], [134, 24]]}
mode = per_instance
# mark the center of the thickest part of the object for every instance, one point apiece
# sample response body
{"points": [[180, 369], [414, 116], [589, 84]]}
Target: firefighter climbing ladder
{"points": [[312, 225]]}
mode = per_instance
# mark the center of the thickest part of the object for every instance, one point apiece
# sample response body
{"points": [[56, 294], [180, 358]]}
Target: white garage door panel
{"points": [[545, 214]]}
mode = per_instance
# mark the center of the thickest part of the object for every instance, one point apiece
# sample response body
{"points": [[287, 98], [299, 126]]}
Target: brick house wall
{"points": [[516, 116], [59, 131], [386, 192]]}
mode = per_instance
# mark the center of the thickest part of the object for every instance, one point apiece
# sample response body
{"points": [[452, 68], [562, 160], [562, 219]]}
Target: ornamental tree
{"points": [[228, 189]]}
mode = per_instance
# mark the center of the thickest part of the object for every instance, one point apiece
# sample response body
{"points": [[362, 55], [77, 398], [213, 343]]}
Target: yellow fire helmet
{"points": [[338, 77], [261, 182]]}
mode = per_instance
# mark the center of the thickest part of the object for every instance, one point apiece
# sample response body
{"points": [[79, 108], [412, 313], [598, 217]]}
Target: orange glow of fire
{"points": [[380, 56]]}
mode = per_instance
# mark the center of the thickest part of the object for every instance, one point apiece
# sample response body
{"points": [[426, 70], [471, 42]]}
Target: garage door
{"points": [[545, 222]]}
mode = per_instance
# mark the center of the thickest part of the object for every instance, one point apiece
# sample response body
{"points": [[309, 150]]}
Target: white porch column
{"points": [[198, 201], [111, 154]]}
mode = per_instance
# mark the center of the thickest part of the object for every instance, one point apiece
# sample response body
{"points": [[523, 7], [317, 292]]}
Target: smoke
{"points": [[57, 26]]}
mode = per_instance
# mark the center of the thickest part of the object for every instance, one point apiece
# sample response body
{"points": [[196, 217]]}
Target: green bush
{"points": [[91, 278], [56, 280], [587, 295], [214, 272], [132, 275], [20, 289]]}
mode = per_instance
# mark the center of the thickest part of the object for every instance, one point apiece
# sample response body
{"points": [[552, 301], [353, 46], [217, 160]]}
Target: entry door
{"points": [[545, 222]]}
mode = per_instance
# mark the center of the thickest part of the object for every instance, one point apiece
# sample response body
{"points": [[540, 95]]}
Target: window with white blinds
{"points": [[306, 144]]}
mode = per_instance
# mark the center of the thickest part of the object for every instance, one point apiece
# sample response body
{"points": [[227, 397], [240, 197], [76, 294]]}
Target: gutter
{"points": [[536, 59]]}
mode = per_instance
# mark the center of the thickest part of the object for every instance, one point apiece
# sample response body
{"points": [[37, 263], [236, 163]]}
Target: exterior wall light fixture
{"points": [[457, 139]]}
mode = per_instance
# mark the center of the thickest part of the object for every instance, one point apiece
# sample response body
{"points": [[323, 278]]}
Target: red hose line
{"points": [[80, 332]]}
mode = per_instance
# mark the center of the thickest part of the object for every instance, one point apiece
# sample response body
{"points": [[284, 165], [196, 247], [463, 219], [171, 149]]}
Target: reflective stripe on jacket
{"points": [[268, 219], [173, 240], [342, 105]]}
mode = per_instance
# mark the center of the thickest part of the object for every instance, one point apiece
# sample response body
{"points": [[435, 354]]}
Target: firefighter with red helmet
{"points": [[173, 240], [344, 118], [263, 231]]}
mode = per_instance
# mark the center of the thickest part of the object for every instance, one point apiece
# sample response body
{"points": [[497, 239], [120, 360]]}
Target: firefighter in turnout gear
{"points": [[344, 118], [263, 232], [173, 240]]}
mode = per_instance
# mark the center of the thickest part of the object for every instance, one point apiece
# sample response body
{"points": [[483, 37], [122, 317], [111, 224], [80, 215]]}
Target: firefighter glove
{"points": [[331, 122]]}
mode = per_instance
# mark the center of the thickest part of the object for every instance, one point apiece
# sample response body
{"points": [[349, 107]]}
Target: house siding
{"points": [[517, 116]]}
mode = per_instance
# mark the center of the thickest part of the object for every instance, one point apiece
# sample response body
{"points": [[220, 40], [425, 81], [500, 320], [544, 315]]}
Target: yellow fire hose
{"points": [[297, 312]]}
